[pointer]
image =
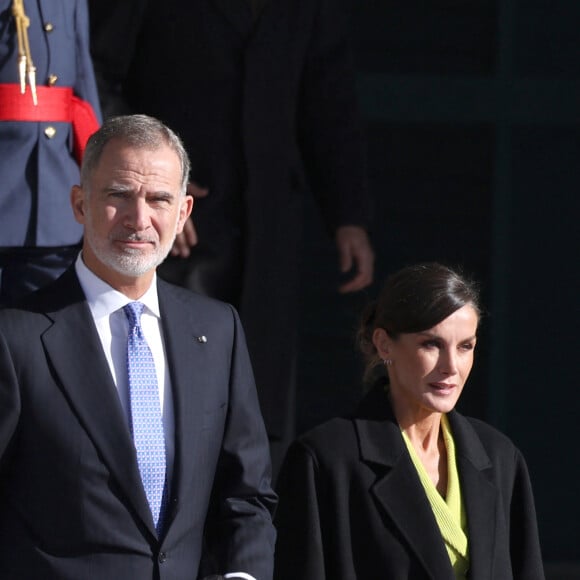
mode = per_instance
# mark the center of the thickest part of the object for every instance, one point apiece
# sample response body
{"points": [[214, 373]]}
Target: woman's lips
{"points": [[442, 387]]}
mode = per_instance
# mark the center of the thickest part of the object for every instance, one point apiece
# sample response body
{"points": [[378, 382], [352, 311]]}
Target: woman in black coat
{"points": [[406, 487]]}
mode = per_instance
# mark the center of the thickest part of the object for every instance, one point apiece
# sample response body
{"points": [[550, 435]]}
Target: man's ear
{"points": [[382, 342], [184, 211], [77, 200]]}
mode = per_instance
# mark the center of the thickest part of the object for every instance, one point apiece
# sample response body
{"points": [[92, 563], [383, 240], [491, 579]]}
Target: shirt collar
{"points": [[103, 299]]}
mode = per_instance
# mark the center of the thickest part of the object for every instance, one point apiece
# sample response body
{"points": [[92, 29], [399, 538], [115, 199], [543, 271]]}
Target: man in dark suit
{"points": [[262, 93], [106, 473]]}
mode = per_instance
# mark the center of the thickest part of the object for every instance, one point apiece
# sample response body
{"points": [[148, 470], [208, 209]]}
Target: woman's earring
{"points": [[387, 362]]}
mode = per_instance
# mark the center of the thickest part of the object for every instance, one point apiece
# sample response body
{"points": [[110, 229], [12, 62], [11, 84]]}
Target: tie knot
{"points": [[133, 311]]}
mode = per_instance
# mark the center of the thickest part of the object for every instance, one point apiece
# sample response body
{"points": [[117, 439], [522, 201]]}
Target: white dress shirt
{"points": [[106, 305]]}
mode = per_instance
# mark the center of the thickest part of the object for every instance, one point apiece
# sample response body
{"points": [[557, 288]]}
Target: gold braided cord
{"points": [[26, 68]]}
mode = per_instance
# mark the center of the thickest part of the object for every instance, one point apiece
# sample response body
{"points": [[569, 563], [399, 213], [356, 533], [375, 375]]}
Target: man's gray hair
{"points": [[139, 131]]}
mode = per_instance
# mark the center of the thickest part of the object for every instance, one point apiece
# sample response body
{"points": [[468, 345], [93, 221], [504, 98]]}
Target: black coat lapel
{"points": [[480, 496], [73, 348], [401, 496]]}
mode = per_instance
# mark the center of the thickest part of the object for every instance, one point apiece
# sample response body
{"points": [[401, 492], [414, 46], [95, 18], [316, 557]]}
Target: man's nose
{"points": [[137, 215]]}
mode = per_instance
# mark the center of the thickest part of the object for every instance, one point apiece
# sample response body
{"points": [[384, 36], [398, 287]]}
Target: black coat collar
{"points": [[399, 492]]}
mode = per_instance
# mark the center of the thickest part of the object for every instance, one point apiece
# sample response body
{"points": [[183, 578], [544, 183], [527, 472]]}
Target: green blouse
{"points": [[449, 512]]}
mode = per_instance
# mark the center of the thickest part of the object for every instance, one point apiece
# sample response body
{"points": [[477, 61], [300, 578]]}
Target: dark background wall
{"points": [[472, 111]]}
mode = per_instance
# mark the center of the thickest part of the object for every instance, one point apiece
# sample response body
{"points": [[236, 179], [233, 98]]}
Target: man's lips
{"points": [[135, 241]]}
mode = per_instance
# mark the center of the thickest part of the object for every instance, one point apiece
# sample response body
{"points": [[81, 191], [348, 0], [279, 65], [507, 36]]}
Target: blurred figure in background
{"points": [[406, 487], [262, 93], [48, 109]]}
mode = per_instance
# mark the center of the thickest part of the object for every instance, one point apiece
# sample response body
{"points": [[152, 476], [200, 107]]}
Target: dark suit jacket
{"points": [[263, 106], [72, 504], [352, 506]]}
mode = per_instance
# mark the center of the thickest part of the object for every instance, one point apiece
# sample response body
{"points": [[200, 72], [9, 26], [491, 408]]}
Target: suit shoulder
{"points": [[190, 299], [19, 328], [13, 318]]}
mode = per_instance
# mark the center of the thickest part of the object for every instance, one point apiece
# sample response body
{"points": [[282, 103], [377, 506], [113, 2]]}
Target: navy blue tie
{"points": [[146, 421]]}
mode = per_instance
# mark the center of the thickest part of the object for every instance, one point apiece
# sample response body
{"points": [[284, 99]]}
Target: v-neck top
{"points": [[449, 512]]}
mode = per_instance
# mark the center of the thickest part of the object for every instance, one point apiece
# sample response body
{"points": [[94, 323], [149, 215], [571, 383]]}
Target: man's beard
{"points": [[130, 262]]}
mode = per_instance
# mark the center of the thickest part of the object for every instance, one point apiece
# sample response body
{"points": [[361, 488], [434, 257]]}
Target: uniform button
{"points": [[50, 131], [162, 557], [48, 27], [52, 80]]}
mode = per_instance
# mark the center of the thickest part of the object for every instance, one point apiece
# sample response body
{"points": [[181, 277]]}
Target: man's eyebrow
{"points": [[162, 193], [112, 187]]}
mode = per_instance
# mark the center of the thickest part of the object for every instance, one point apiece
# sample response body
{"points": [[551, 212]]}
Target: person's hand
{"points": [[354, 250], [188, 237]]}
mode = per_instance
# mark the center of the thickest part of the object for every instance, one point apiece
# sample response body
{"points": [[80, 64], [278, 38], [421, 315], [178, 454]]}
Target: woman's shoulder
{"points": [[474, 435], [350, 439], [334, 435], [373, 407], [487, 431]]}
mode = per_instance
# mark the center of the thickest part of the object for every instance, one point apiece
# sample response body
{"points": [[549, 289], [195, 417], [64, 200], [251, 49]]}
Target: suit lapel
{"points": [[400, 494], [185, 365], [74, 350], [480, 496]]}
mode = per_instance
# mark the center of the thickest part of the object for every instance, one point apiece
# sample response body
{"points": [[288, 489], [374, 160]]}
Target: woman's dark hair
{"points": [[414, 299]]}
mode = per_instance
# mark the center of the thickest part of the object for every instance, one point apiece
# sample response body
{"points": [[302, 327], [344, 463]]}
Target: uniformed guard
{"points": [[48, 109]]}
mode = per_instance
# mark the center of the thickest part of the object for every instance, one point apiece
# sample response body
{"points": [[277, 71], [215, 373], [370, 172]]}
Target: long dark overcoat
{"points": [[352, 506], [266, 107]]}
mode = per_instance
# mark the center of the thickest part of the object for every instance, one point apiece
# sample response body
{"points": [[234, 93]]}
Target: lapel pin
{"points": [[202, 338]]}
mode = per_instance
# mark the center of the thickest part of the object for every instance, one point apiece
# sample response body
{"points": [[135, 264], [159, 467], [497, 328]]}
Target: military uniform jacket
{"points": [[36, 158]]}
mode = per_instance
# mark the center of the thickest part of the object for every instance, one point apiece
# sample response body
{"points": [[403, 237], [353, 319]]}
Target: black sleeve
{"points": [[114, 28], [299, 547], [524, 538]]}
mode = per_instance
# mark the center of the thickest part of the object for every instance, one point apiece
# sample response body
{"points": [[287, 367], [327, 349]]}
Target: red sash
{"points": [[56, 105]]}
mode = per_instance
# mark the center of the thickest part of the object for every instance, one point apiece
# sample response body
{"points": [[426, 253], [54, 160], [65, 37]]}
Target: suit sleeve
{"points": [[114, 30], [299, 548], [524, 538], [240, 534], [329, 128], [85, 84]]}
